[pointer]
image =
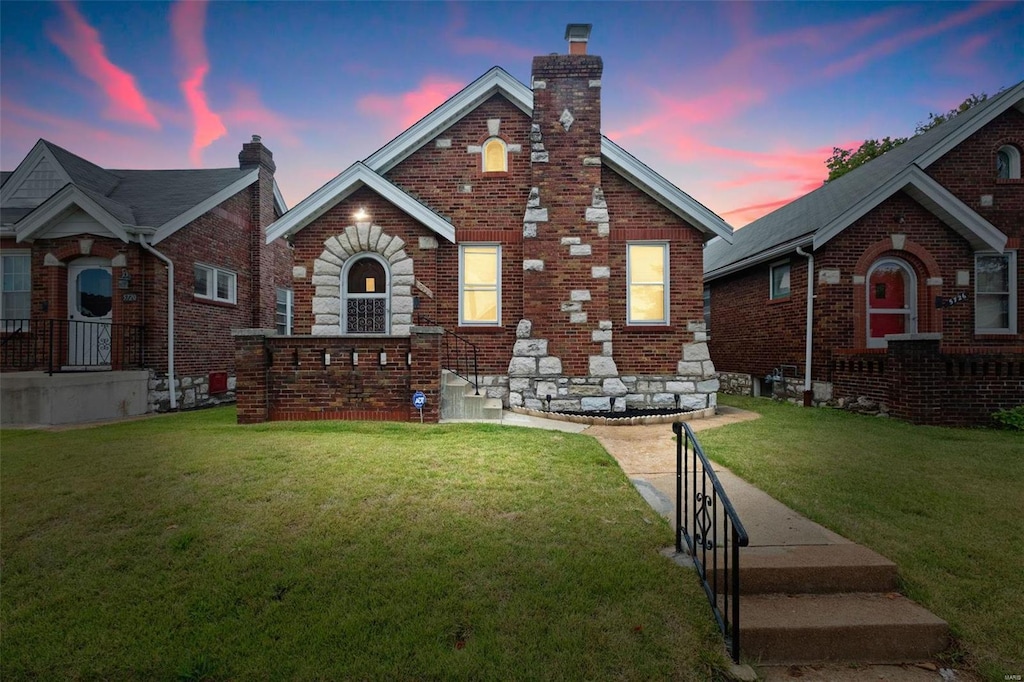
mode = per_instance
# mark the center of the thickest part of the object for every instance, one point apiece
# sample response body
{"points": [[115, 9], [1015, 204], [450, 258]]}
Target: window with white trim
{"points": [[215, 284], [283, 312], [995, 293], [495, 156], [480, 284], [779, 286], [707, 308], [1008, 163], [15, 288], [647, 283]]}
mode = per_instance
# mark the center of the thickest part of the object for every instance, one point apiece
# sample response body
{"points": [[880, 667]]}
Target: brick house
{"points": [[90, 328], [916, 300], [505, 226]]}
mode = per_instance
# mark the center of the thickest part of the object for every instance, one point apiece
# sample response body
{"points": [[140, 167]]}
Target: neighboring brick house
{"points": [[917, 288], [85, 258], [504, 216]]}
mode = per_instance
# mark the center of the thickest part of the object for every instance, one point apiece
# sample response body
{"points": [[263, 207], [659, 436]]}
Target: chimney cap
{"points": [[578, 33], [257, 138]]}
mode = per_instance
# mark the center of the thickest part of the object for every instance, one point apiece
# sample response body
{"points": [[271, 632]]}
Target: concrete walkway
{"points": [[777, 533]]}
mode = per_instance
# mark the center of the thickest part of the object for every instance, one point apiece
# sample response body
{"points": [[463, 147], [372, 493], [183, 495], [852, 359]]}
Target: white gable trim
{"points": [[39, 152], [497, 80], [174, 224], [35, 224], [663, 191], [980, 233], [1012, 97], [279, 199], [342, 186]]}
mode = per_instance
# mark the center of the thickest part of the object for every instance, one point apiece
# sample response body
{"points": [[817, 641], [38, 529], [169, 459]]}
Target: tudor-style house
{"points": [[503, 238], [120, 288], [916, 296]]}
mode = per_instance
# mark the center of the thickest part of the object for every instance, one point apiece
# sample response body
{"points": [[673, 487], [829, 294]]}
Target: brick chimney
{"points": [[255, 154], [566, 225]]}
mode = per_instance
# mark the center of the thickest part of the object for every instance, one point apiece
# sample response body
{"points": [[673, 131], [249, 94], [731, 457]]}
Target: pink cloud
{"points": [[247, 110], [83, 46], [188, 19], [903, 40], [490, 47], [402, 110]]}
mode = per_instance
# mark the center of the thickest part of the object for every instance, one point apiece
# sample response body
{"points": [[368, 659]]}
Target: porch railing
{"points": [[710, 532], [458, 354], [69, 345]]}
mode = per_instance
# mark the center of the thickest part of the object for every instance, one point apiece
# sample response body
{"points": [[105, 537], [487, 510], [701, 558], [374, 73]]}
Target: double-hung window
{"points": [[995, 293], [779, 281], [283, 312], [480, 284], [215, 284], [15, 288], [647, 288]]}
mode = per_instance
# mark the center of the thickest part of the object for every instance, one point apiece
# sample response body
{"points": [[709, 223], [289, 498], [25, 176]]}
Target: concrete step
{"points": [[854, 627], [460, 401], [813, 569]]}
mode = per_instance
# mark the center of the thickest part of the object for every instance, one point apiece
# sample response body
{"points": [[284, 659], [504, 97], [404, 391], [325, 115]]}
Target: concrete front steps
{"points": [[459, 400], [827, 604]]}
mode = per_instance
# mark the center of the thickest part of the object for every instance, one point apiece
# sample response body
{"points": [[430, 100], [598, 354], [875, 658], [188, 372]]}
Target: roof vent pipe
{"points": [[578, 35]]}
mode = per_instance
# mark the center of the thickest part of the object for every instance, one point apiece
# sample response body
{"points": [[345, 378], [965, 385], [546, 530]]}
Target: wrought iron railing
{"points": [[458, 354], [710, 532], [69, 345]]}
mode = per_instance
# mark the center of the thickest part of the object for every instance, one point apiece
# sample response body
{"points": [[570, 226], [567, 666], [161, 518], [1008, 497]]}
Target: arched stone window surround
{"points": [[1008, 162], [926, 269], [346, 293], [353, 241]]}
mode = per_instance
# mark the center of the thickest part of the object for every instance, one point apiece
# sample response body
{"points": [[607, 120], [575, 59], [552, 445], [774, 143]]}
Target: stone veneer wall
{"points": [[191, 392]]}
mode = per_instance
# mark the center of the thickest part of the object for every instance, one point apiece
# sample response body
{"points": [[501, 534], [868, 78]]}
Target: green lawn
{"points": [[947, 505], [187, 547]]}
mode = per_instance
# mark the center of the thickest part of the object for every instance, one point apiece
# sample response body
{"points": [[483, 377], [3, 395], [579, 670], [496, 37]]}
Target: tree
{"points": [[843, 161]]}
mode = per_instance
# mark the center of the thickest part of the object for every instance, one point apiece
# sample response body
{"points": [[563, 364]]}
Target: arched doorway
{"points": [[365, 296], [892, 300]]}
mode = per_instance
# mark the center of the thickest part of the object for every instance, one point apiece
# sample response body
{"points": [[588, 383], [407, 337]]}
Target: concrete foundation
{"points": [[28, 398]]}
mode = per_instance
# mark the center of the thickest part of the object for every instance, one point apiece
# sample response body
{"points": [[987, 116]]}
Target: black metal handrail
{"points": [[697, 528], [69, 345], [458, 352]]}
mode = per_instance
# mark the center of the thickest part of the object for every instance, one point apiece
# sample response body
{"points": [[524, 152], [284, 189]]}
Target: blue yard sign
{"points": [[419, 400]]}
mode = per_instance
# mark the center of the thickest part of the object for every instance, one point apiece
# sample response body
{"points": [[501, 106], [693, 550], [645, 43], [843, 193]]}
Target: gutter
{"points": [[809, 335], [170, 317]]}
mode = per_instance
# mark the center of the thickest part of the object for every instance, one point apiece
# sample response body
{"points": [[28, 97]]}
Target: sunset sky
{"points": [[737, 103]]}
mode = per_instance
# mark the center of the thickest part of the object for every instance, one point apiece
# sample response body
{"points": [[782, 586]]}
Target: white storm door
{"points": [[90, 310]]}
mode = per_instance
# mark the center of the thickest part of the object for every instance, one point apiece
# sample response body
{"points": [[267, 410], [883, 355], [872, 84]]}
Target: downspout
{"points": [[170, 317], [809, 335]]}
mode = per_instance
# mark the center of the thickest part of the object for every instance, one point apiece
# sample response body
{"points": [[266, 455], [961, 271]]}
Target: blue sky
{"points": [[737, 103]]}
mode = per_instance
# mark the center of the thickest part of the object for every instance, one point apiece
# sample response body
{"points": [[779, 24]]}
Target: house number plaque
{"points": [[129, 297]]}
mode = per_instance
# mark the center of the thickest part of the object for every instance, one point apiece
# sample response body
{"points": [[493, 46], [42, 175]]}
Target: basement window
{"points": [[215, 284]]}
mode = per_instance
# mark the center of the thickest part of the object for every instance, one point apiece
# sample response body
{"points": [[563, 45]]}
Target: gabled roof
{"points": [[342, 186], [161, 200], [498, 81], [816, 217], [62, 203]]}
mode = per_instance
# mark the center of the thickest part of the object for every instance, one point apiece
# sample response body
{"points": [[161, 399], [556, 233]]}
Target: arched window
{"points": [[495, 156], [365, 295], [1008, 163], [892, 300]]}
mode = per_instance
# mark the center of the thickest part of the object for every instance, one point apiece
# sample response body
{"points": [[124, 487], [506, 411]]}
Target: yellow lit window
{"points": [[495, 157], [647, 291], [480, 284]]}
